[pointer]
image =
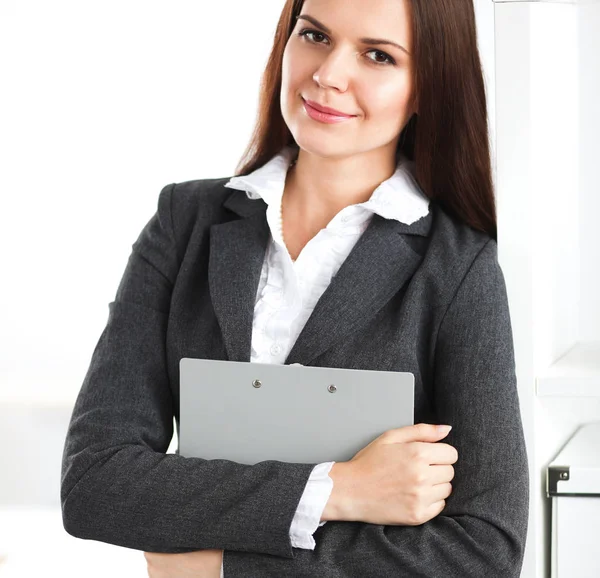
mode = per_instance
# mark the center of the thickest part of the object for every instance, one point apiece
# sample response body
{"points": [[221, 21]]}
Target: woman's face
{"points": [[330, 63]]}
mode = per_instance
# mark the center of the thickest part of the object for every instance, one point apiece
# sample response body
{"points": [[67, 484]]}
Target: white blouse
{"points": [[288, 290]]}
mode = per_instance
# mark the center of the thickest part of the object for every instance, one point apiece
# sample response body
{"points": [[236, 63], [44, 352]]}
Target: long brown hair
{"points": [[448, 137]]}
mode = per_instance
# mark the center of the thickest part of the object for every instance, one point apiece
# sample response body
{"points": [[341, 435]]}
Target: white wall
{"points": [[103, 105]]}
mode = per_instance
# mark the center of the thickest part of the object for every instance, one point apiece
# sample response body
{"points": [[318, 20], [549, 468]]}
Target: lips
{"points": [[327, 110]]}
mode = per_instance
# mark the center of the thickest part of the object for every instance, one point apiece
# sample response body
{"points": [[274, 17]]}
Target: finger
{"points": [[435, 509], [439, 454], [419, 432], [440, 492], [441, 474]]}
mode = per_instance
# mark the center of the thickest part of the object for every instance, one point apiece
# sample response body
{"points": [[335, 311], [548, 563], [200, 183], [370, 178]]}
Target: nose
{"points": [[334, 72]]}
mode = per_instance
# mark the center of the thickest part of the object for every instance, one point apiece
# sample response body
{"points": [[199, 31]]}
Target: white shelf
{"points": [[575, 374]]}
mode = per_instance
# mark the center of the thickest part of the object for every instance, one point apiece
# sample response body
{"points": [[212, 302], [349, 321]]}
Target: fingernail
{"points": [[444, 429]]}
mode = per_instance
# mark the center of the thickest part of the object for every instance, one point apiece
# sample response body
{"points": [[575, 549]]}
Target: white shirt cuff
{"points": [[222, 568], [310, 508]]}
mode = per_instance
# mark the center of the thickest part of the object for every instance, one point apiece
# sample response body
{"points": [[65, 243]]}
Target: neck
{"points": [[316, 188]]}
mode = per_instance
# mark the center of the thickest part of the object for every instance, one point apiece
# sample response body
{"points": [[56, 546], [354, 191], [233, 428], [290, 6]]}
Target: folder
{"points": [[251, 412]]}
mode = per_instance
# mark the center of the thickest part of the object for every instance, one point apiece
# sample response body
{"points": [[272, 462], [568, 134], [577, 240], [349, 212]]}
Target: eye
{"points": [[388, 59], [307, 31]]}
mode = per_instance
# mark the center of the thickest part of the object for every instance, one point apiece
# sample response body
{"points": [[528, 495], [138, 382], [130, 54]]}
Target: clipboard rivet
{"points": [[256, 383], [332, 388]]}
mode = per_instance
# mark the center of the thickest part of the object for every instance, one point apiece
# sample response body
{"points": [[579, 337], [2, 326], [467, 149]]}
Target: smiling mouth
{"points": [[325, 117], [326, 110]]}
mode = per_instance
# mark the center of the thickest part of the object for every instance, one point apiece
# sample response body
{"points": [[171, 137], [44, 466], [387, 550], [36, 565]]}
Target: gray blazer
{"points": [[428, 298]]}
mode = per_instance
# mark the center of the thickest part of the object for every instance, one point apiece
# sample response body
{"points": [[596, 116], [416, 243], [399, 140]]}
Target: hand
{"points": [[199, 564], [401, 478]]}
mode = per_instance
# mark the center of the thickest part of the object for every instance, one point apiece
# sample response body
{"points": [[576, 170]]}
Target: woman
{"points": [[361, 239]]}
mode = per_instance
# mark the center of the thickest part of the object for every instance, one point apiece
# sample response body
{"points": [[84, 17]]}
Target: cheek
{"points": [[387, 100], [293, 66], [292, 82]]}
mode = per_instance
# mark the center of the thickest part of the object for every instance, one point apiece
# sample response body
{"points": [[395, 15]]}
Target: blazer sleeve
{"points": [[482, 530], [117, 483]]}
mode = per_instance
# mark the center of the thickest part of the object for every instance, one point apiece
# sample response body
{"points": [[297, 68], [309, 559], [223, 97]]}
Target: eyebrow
{"points": [[322, 26]]}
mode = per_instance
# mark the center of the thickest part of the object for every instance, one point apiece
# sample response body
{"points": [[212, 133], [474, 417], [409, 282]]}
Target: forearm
{"points": [[143, 500], [453, 547], [482, 536]]}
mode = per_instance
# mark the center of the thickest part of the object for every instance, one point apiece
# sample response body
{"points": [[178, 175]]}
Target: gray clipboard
{"points": [[250, 412]]}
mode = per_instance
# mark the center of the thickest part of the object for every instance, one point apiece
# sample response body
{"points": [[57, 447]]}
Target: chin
{"points": [[315, 145]]}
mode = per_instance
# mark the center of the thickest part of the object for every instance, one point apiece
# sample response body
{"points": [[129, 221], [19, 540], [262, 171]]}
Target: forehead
{"points": [[390, 19]]}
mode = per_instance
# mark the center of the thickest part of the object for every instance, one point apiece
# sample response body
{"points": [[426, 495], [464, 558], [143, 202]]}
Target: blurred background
{"points": [[102, 104]]}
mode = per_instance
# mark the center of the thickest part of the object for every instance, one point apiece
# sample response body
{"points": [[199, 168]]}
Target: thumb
{"points": [[421, 432]]}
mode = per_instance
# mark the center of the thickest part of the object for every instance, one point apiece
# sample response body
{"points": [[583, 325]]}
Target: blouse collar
{"points": [[399, 197]]}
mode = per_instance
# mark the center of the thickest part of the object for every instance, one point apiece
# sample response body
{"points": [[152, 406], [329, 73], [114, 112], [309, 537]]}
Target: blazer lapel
{"points": [[378, 266], [237, 250], [380, 263]]}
